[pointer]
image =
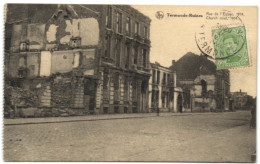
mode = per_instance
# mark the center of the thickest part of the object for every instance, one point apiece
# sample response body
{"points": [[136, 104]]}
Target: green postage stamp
{"points": [[230, 47]]}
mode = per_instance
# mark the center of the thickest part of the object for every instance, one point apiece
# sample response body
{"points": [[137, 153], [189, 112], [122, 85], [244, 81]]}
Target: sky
{"points": [[173, 37]]}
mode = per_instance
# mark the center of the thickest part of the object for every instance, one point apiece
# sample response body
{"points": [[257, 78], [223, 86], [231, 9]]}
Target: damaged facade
{"points": [[77, 59], [202, 88], [223, 96], [161, 89]]}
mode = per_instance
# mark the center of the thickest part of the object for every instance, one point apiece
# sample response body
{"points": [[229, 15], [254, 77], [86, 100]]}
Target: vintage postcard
{"points": [[130, 83]]}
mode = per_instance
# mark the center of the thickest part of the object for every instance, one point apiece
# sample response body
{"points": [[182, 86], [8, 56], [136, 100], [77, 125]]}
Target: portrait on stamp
{"points": [[230, 45]]}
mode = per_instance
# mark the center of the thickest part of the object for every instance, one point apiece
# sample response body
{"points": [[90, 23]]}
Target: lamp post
{"points": [[158, 110]]}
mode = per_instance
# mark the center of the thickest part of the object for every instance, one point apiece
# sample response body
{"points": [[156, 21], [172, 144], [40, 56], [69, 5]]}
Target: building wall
{"points": [[57, 39], [222, 90], [124, 84], [33, 65], [210, 81], [70, 50], [203, 104], [57, 49], [61, 61], [197, 99], [217, 93], [161, 88]]}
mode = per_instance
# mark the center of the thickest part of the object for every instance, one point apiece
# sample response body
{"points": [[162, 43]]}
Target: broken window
{"points": [[136, 55], [204, 88], [164, 79], [137, 28], [158, 77], [119, 22], [146, 36], [118, 52], [108, 46], [153, 81], [109, 17], [127, 59], [128, 26], [144, 58]]}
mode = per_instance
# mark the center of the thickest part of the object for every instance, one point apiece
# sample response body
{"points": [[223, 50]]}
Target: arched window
{"points": [[204, 88]]}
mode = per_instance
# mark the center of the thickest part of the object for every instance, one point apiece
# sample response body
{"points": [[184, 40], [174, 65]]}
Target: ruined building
{"points": [[161, 88], [77, 59], [222, 91], [203, 88]]}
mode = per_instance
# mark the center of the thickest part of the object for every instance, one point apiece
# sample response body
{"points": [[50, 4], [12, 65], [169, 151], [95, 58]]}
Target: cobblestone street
{"points": [[215, 137]]}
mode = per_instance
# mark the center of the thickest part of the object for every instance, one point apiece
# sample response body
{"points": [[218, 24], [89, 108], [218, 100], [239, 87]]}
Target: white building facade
{"points": [[161, 88]]}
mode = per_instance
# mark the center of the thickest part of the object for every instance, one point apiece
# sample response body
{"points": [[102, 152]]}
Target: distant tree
{"points": [[253, 114], [250, 101]]}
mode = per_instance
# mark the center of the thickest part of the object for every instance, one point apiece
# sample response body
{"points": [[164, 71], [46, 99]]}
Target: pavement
{"points": [[22, 121], [185, 137]]}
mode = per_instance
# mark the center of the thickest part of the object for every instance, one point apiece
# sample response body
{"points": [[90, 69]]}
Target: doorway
{"points": [[231, 105], [179, 103], [89, 95], [143, 96]]}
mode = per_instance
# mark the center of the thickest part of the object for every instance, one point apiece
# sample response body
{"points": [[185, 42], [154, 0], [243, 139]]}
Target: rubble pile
{"points": [[21, 97], [44, 97], [16, 97], [61, 93]]}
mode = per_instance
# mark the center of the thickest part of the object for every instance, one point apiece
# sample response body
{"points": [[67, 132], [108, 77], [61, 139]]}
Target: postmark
{"points": [[204, 42], [230, 47], [218, 19]]}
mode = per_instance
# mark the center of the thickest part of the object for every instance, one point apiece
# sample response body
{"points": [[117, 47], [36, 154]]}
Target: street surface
{"points": [[205, 137]]}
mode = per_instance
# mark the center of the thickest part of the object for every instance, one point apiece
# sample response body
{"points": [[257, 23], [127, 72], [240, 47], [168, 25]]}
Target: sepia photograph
{"points": [[129, 83]]}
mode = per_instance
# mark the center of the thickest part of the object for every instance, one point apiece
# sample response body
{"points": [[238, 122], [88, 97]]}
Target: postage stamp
{"points": [[230, 47]]}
